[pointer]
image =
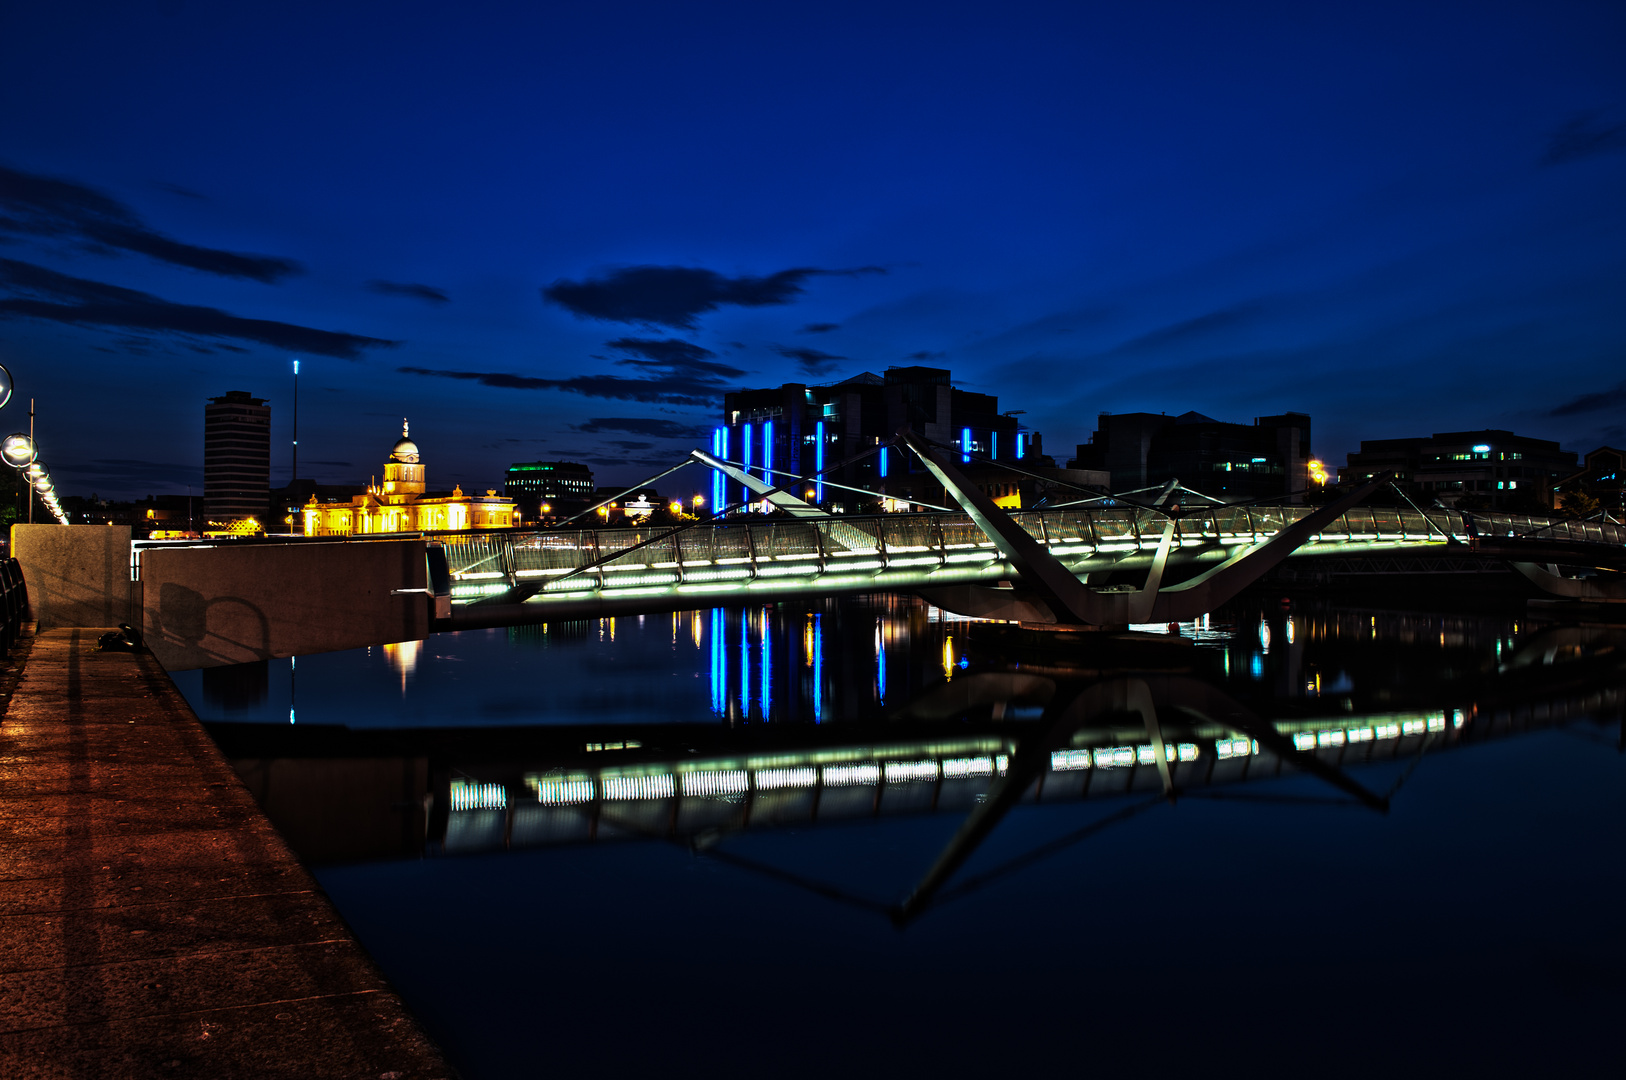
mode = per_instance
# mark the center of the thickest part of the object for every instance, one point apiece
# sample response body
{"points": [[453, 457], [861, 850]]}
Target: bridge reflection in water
{"points": [[1135, 727]]}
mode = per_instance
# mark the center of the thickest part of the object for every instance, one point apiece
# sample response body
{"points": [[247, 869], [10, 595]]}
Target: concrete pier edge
{"points": [[152, 921]]}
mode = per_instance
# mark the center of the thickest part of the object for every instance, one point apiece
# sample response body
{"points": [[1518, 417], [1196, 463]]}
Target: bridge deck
{"points": [[909, 550], [152, 922]]}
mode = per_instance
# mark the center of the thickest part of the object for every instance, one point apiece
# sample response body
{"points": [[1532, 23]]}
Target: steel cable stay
{"points": [[731, 508]]}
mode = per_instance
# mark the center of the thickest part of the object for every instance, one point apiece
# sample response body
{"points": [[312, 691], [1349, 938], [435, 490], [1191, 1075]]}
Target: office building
{"points": [[1268, 459], [549, 489], [236, 458], [1490, 469], [781, 433], [1599, 478]]}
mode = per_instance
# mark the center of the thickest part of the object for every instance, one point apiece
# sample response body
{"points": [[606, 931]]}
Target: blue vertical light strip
{"points": [[883, 464], [716, 661], [818, 461], [1021, 445], [722, 499], [818, 670], [965, 445], [993, 445], [745, 665], [767, 667], [880, 665], [745, 451], [767, 477], [717, 477]]}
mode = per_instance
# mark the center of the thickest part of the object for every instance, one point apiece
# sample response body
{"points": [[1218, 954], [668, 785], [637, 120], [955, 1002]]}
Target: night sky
{"points": [[549, 230]]}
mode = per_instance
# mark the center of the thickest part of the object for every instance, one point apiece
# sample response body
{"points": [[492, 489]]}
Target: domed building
{"points": [[400, 504]]}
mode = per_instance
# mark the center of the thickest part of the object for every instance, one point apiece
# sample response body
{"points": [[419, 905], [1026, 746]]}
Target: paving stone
{"points": [[152, 922]]}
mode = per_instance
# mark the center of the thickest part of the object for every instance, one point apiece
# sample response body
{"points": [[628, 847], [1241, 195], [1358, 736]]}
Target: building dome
{"points": [[406, 451]]}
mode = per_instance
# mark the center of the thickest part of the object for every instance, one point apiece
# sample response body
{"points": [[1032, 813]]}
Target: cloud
{"points": [[44, 206], [1584, 135], [1602, 399], [183, 192], [811, 361], [639, 425], [38, 293], [675, 390], [408, 289], [641, 462], [924, 354], [628, 444], [115, 472], [1197, 328], [820, 327], [673, 372], [675, 295], [671, 353]]}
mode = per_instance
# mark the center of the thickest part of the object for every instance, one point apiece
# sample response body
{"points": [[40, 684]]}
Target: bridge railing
{"points": [[736, 550]]}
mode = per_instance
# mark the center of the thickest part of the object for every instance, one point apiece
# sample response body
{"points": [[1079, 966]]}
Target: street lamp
{"points": [[18, 450]]}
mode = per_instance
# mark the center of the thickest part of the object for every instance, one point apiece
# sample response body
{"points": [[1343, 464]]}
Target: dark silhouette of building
{"points": [[1491, 469], [236, 457], [564, 487], [799, 429], [1600, 478], [1268, 459]]}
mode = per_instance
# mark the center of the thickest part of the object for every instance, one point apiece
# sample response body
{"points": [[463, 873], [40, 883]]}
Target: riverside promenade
{"points": [[152, 922]]}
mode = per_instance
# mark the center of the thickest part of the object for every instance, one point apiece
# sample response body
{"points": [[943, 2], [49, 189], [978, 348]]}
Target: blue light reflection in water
{"points": [[1382, 911]]}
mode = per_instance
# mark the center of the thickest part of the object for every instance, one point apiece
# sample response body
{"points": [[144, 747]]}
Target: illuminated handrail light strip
{"points": [[904, 771], [847, 775], [638, 787], [771, 779], [1068, 760], [471, 796], [956, 768], [552, 791], [730, 782]]}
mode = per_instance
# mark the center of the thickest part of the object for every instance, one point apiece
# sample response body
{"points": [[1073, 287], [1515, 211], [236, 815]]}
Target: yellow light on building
{"points": [[399, 505]]}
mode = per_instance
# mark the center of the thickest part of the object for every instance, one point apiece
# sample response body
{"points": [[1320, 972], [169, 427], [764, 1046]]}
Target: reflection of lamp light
{"points": [[699, 501], [18, 450], [677, 506], [34, 471], [5, 386]]}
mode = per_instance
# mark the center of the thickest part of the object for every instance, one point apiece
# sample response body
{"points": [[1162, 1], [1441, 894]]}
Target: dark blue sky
{"points": [[561, 230]]}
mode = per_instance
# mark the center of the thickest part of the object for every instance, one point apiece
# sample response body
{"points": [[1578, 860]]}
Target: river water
{"points": [[868, 838]]}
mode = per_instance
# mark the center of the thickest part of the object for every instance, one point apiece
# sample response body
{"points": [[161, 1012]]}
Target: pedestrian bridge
{"points": [[500, 579], [1094, 561], [1099, 561]]}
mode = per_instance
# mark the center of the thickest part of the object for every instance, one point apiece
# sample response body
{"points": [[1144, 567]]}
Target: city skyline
{"points": [[566, 234]]}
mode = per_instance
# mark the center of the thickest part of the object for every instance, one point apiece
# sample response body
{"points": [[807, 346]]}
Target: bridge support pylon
{"points": [[1072, 602]]}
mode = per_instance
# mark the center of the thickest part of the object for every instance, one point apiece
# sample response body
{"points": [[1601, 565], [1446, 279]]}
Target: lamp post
{"points": [[20, 452]]}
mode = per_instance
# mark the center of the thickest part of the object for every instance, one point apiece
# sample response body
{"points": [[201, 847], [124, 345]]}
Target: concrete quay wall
{"points": [[227, 604]]}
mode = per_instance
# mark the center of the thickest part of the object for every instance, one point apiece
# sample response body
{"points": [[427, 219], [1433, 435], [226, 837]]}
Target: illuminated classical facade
{"points": [[399, 505]]}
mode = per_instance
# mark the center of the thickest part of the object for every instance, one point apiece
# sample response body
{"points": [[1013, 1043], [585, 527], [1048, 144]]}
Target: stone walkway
{"points": [[152, 922]]}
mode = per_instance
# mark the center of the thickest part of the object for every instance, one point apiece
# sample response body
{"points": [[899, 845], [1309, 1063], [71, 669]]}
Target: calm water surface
{"points": [[866, 839]]}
